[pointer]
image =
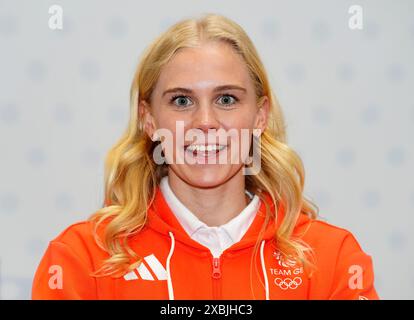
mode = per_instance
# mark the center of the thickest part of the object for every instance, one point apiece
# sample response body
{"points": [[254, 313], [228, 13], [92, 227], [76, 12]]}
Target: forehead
{"points": [[211, 64]]}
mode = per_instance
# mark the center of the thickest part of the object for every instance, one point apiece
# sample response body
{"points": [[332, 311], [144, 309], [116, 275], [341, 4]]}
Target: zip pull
{"points": [[216, 268]]}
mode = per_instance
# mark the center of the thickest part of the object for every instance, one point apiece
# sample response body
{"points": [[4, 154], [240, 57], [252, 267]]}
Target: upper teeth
{"points": [[201, 147]]}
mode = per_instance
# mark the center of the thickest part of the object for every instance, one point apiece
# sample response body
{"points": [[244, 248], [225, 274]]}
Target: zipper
{"points": [[216, 275]]}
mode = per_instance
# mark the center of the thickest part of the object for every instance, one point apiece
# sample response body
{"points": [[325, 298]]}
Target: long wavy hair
{"points": [[132, 176]]}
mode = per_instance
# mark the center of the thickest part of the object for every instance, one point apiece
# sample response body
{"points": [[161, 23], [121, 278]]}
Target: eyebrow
{"points": [[219, 88]]}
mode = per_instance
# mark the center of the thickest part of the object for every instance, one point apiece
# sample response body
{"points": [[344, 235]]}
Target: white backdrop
{"points": [[347, 96]]}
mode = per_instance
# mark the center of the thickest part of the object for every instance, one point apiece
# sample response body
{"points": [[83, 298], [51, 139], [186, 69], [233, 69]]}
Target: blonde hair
{"points": [[131, 175]]}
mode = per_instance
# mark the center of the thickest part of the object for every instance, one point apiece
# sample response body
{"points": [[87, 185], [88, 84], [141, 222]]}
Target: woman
{"points": [[195, 212]]}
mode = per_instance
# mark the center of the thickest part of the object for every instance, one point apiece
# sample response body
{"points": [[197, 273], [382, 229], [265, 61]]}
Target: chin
{"points": [[206, 176]]}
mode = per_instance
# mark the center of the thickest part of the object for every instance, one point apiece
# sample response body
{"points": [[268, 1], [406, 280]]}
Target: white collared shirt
{"points": [[217, 238]]}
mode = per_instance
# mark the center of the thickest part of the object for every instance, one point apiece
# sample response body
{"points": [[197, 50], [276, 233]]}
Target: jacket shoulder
{"points": [[79, 238], [321, 233], [343, 269], [78, 230]]}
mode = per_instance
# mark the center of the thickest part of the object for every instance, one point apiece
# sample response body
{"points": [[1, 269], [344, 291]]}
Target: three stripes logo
{"points": [[143, 271]]}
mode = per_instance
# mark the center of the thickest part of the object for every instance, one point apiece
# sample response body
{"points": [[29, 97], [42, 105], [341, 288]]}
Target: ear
{"points": [[262, 113], [148, 121]]}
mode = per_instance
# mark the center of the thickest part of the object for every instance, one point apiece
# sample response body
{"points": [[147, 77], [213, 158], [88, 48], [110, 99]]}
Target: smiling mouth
{"points": [[204, 149]]}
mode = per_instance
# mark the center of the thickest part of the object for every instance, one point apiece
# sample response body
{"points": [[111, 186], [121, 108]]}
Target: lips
{"points": [[205, 147], [204, 150]]}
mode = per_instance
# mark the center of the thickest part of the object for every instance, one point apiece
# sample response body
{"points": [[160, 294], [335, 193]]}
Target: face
{"points": [[206, 99]]}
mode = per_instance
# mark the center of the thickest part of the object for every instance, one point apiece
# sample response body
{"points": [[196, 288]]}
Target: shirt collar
{"points": [[235, 228]]}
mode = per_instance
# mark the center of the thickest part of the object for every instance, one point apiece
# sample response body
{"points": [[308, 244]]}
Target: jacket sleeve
{"points": [[63, 274], [354, 273]]}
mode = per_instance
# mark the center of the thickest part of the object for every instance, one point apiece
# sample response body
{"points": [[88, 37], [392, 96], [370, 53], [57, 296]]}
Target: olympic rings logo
{"points": [[288, 283]]}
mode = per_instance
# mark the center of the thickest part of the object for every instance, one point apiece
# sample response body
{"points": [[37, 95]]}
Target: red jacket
{"points": [[177, 267]]}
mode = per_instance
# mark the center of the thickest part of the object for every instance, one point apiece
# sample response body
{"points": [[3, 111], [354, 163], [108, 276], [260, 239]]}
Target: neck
{"points": [[214, 206]]}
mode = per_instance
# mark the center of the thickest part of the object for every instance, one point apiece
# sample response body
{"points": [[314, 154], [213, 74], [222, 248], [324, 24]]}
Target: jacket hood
{"points": [[162, 220]]}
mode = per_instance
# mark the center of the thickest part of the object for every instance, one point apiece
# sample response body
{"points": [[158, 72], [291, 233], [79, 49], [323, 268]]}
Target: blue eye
{"points": [[181, 99], [228, 99]]}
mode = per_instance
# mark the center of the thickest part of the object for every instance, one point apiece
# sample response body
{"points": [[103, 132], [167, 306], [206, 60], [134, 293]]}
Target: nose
{"points": [[205, 118]]}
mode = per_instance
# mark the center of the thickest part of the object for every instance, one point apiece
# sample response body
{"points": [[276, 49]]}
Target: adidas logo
{"points": [[150, 263]]}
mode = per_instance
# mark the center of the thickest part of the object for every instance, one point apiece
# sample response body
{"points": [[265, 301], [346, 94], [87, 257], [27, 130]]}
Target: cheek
{"points": [[243, 118], [172, 129], [172, 124], [242, 127]]}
